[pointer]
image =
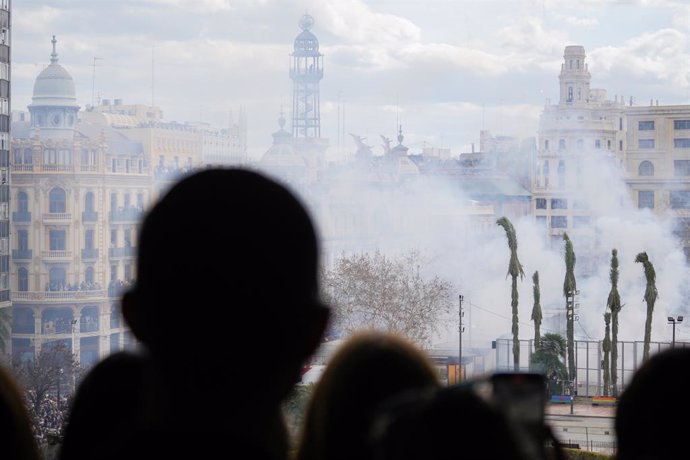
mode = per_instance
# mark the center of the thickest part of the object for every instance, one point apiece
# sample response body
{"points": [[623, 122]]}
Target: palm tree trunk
{"points": [[516, 341], [614, 353]]}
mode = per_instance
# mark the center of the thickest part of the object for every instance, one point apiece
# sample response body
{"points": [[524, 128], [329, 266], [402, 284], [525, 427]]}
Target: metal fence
{"points": [[589, 358]]}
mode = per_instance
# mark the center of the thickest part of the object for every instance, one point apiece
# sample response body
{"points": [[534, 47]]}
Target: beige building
{"points": [[649, 144], [77, 194]]}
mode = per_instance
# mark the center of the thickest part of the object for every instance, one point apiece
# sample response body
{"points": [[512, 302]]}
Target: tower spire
{"points": [[54, 56]]}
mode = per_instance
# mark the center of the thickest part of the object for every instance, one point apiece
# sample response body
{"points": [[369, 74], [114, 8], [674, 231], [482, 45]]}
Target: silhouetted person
{"points": [[651, 410], [449, 424], [18, 442], [368, 369], [226, 306]]}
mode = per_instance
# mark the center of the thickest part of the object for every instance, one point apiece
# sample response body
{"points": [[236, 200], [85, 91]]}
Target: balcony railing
{"points": [[57, 296], [89, 216], [56, 254], [57, 216], [89, 254], [122, 252], [21, 216], [125, 215], [22, 254]]}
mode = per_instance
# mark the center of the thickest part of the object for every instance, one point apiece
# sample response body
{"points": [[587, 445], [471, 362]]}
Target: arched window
{"points": [[646, 168], [570, 94], [22, 202], [23, 278], [88, 202], [57, 200]]}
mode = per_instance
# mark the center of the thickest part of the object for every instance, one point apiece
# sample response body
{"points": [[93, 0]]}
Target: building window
{"points": [[540, 203], [645, 126], [22, 202], [580, 144], [646, 168], [57, 240], [559, 203], [88, 239], [57, 278], [89, 275], [545, 168], [681, 167], [620, 145], [597, 143], [581, 221], [113, 202], [113, 272], [645, 143], [620, 124], [681, 124], [681, 143], [559, 222], [680, 199], [645, 199], [561, 144], [23, 240], [580, 204], [57, 200], [570, 90], [88, 202], [23, 279], [113, 238], [608, 144], [561, 173], [546, 145], [541, 221]]}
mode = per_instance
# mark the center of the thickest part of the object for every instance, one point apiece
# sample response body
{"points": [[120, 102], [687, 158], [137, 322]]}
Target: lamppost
{"points": [[674, 321]]}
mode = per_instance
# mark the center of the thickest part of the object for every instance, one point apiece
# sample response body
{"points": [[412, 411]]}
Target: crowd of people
{"points": [[48, 421], [378, 398], [83, 286]]}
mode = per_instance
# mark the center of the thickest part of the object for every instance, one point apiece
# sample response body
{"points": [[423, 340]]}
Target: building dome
{"points": [[306, 43], [54, 86]]}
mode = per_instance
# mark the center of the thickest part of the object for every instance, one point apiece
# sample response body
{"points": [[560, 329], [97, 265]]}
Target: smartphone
{"points": [[522, 397]]}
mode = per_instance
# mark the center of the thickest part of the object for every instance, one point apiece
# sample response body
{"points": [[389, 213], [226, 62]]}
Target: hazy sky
{"points": [[444, 68]]}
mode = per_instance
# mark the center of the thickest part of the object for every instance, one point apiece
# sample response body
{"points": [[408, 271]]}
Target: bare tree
{"points": [[387, 293], [40, 376]]}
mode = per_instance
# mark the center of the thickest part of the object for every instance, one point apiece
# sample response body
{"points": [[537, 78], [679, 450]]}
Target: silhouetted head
{"points": [[446, 424], [651, 408], [227, 277], [368, 369]]}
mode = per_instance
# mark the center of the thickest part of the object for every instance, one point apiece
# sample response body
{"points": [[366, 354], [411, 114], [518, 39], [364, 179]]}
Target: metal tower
{"points": [[306, 70]]}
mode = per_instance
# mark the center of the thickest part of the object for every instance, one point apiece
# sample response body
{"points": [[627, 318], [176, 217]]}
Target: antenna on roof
{"points": [[93, 83]]}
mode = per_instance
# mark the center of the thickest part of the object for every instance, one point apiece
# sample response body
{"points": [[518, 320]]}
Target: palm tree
{"points": [[614, 305], [536, 309], [569, 287], [549, 358], [606, 347], [514, 270], [650, 296]]}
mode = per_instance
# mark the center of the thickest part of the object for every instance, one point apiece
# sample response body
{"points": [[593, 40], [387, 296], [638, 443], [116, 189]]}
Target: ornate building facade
{"points": [[648, 145], [78, 190], [5, 110]]}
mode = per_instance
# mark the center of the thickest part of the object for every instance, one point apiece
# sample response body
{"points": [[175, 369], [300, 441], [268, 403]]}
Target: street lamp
{"points": [[674, 321]]}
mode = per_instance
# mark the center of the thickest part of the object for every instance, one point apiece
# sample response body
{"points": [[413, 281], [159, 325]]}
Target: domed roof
{"points": [[306, 43], [54, 86]]}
